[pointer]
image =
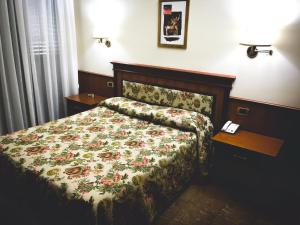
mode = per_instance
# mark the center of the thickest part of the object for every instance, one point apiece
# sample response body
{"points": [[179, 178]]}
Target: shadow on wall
{"points": [[289, 44]]}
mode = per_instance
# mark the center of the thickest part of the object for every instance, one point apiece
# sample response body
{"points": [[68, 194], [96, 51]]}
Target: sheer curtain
{"points": [[38, 61]]}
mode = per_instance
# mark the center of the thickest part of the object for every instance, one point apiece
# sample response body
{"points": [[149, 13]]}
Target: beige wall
{"points": [[213, 45]]}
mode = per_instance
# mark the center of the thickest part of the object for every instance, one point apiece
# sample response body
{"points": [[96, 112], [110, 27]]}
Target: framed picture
{"points": [[173, 23]]}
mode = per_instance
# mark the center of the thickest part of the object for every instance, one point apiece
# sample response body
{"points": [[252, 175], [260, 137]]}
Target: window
{"points": [[43, 29]]}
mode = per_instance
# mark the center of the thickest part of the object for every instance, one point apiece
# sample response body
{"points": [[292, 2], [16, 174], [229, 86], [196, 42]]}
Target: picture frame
{"points": [[173, 23]]}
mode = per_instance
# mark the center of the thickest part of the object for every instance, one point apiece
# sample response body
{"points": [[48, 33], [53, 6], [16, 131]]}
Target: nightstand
{"points": [[82, 102], [244, 157]]}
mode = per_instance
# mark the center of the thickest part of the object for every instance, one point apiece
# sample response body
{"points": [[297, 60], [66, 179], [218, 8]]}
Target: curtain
{"points": [[38, 61]]}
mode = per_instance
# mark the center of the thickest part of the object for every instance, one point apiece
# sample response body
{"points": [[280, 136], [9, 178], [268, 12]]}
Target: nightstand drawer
{"points": [[233, 165], [237, 155], [76, 107]]}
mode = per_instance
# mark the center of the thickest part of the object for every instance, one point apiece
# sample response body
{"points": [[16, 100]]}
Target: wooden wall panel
{"points": [[95, 83], [273, 120]]}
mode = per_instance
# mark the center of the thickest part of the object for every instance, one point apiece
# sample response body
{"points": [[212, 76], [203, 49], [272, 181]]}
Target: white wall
{"points": [[213, 38]]}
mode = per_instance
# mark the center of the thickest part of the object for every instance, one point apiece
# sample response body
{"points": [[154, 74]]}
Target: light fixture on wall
{"points": [[252, 50], [257, 29], [103, 40]]}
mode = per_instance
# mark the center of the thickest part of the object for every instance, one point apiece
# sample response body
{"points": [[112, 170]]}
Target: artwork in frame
{"points": [[173, 23]]}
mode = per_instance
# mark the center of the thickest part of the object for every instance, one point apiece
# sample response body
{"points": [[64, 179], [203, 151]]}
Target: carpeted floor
{"points": [[215, 205], [201, 204]]}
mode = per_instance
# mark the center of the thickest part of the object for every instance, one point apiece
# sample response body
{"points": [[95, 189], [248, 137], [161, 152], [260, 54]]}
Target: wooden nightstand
{"points": [[244, 157], [82, 102]]}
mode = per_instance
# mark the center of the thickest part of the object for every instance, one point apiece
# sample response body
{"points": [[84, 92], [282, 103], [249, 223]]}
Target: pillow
{"points": [[168, 97]]}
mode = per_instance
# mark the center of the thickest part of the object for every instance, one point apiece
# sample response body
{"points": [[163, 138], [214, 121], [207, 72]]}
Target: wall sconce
{"points": [[103, 40], [252, 50]]}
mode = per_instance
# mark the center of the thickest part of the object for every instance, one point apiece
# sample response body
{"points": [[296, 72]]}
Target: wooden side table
{"points": [[243, 157], [82, 102]]}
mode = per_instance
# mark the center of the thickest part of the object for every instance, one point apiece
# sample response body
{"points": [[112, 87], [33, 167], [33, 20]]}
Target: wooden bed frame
{"points": [[217, 85]]}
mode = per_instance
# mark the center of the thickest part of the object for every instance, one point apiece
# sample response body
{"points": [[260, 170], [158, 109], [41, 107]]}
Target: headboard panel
{"points": [[217, 85]]}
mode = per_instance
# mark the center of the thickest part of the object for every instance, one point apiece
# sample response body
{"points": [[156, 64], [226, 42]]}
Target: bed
{"points": [[124, 161]]}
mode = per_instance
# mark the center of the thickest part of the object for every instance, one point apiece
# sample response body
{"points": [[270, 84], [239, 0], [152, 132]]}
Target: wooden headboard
{"points": [[217, 85]]}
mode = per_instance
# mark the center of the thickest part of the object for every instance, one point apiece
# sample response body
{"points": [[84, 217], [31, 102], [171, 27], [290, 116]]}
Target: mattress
{"points": [[120, 163]]}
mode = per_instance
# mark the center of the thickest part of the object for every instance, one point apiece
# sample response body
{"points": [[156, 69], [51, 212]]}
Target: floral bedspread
{"points": [[180, 118], [125, 160]]}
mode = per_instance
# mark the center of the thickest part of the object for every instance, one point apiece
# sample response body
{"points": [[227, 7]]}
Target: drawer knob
{"points": [[239, 157]]}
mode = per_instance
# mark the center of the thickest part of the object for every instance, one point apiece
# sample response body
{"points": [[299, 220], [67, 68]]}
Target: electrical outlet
{"points": [[110, 84], [242, 111]]}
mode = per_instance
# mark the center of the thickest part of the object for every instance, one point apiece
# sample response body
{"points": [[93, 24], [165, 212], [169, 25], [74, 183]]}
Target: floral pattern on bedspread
{"points": [[109, 159], [168, 97], [175, 117]]}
